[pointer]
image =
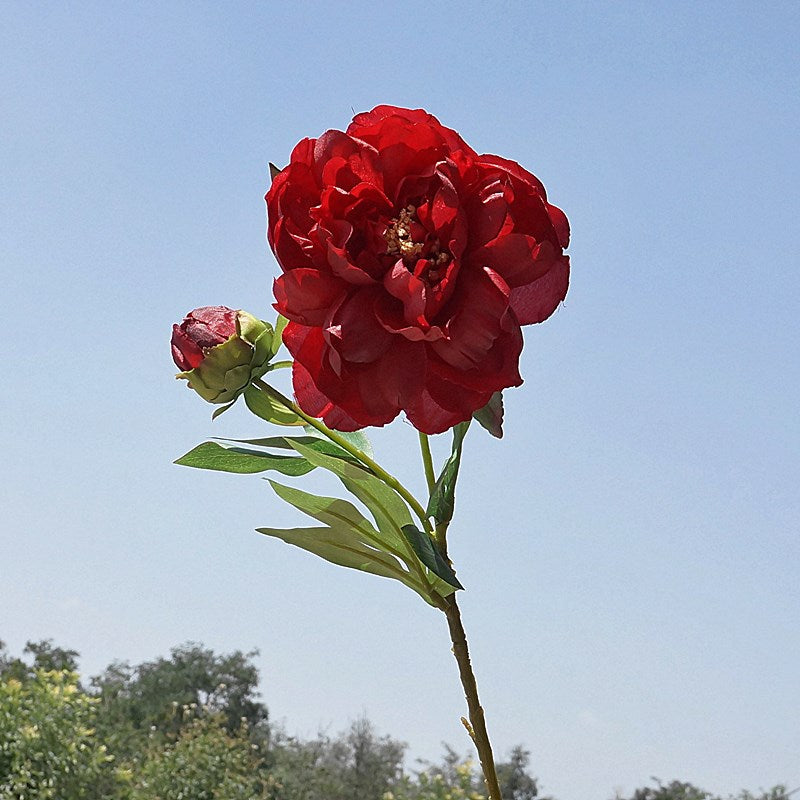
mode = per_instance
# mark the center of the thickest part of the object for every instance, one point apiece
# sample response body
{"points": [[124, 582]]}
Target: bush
{"points": [[205, 762], [48, 746]]}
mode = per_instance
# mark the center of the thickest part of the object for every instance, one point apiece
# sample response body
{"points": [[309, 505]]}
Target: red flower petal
{"points": [[306, 295], [560, 223], [428, 416], [370, 394], [314, 403], [512, 168], [410, 291], [515, 256], [498, 370], [354, 330], [536, 301], [365, 125], [185, 353], [389, 313], [202, 328], [481, 304]]}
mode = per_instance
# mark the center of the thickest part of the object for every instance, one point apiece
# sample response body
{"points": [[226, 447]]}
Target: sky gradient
{"points": [[630, 549]]}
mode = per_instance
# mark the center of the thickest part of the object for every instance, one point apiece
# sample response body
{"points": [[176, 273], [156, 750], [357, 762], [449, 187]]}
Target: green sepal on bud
{"points": [[225, 349]]}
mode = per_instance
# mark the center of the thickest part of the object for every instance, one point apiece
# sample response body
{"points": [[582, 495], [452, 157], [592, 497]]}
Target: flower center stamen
{"points": [[398, 236], [400, 243]]}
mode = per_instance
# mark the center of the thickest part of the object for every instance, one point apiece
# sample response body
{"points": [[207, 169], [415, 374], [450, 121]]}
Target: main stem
{"points": [[477, 726]]}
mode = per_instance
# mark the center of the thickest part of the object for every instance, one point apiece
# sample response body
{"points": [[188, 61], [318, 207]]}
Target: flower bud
{"points": [[221, 351]]}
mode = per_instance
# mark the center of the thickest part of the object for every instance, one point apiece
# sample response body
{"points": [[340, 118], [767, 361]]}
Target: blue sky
{"points": [[630, 549]]}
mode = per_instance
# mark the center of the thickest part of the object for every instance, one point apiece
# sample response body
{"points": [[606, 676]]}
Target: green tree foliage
{"points": [[42, 656], [515, 781], [678, 790], [779, 792], [205, 762], [48, 747], [191, 727], [454, 779], [134, 700], [356, 764], [457, 778]]}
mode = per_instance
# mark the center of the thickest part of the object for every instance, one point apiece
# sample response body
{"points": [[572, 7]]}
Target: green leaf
{"points": [[441, 504], [330, 510], [264, 406], [264, 348], [491, 415], [349, 539], [430, 556], [277, 336], [222, 409], [343, 547], [285, 443], [242, 461], [387, 507], [358, 439], [281, 442], [273, 171]]}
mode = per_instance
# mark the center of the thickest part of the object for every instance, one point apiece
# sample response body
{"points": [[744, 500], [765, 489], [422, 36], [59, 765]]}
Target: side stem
{"points": [[427, 461], [477, 726]]}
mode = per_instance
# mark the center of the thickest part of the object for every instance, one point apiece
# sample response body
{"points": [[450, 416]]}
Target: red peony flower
{"points": [[409, 264]]}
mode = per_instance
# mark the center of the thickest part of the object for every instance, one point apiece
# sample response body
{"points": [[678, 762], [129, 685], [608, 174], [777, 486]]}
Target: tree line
{"points": [[191, 726]]}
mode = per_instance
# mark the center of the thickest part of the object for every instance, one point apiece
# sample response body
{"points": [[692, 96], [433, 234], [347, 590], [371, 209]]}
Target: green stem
{"points": [[440, 536], [373, 465], [427, 460], [279, 365], [477, 726], [440, 533]]}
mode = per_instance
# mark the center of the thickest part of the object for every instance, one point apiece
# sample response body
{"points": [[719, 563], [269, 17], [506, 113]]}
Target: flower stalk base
{"points": [[477, 720]]}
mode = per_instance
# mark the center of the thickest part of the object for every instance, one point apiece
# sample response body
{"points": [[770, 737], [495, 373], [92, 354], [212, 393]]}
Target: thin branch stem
{"points": [[440, 532], [279, 365], [335, 437], [477, 722], [427, 460]]}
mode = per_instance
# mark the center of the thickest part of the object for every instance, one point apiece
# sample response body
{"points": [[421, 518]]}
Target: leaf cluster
{"points": [[387, 543]]}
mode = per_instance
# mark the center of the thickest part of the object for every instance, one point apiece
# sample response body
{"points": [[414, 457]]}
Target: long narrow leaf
{"points": [[350, 531], [341, 546], [328, 510], [242, 461], [285, 443], [441, 504], [276, 441]]}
